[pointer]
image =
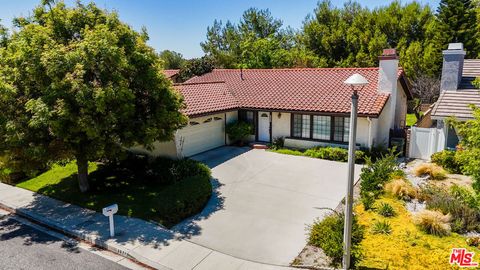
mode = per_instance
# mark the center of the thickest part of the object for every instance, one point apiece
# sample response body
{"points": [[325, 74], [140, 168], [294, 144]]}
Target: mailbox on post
{"points": [[109, 211]]}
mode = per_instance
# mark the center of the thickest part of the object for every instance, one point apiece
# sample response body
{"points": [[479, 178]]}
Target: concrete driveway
{"points": [[263, 203]]}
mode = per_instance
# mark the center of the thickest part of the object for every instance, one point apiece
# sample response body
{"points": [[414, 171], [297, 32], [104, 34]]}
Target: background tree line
{"points": [[348, 36]]}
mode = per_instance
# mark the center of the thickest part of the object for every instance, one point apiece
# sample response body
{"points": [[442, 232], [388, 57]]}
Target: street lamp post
{"points": [[357, 82]]}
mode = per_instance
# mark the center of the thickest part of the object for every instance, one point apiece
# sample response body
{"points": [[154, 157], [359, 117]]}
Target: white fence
{"points": [[425, 141]]}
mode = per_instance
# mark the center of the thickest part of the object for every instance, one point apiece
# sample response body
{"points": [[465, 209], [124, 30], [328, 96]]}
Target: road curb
{"points": [[93, 240]]}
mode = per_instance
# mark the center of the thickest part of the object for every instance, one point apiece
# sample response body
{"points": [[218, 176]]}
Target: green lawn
{"points": [[164, 203], [412, 119]]}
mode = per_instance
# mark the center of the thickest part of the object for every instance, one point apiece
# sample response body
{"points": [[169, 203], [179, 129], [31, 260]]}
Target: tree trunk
{"points": [[416, 110], [82, 165]]}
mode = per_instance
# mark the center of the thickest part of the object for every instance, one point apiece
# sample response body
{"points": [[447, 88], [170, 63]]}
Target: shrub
{"points": [[368, 201], [159, 170], [448, 160], [433, 222], [473, 241], [289, 152], [375, 174], [14, 168], [386, 210], [476, 82], [465, 217], [238, 131], [401, 189], [465, 195], [187, 168], [329, 153], [277, 143], [321, 152], [434, 171], [398, 174], [469, 158], [376, 152], [184, 199], [334, 153], [327, 234], [187, 184], [381, 227]]}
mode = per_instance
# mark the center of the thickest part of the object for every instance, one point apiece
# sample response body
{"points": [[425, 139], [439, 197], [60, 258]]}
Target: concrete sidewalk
{"points": [[137, 239]]}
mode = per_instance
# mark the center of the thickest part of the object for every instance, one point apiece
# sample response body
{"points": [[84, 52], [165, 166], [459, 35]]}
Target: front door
{"points": [[264, 126]]}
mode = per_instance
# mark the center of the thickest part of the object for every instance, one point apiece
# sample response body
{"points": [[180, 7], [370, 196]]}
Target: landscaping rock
{"points": [[415, 206], [312, 257]]}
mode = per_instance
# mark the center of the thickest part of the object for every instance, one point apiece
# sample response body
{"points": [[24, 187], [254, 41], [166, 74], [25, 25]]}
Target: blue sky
{"points": [[181, 25]]}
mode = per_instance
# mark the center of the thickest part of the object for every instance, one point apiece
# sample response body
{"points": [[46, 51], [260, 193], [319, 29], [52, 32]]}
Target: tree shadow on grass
{"points": [[190, 226], [135, 199]]}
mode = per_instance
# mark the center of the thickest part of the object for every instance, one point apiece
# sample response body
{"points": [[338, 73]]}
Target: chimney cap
{"points": [[389, 54], [455, 46], [455, 49]]}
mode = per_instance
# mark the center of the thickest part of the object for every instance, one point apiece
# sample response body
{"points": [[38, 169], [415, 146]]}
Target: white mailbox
{"points": [[109, 211]]}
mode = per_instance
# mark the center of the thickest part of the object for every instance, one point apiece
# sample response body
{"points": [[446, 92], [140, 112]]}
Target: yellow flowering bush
{"points": [[407, 246]]}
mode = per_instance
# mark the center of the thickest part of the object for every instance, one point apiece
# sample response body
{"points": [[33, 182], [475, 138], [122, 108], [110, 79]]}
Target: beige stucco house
{"points": [[306, 106]]}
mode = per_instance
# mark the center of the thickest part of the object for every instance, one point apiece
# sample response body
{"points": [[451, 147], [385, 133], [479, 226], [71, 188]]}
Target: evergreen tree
{"points": [[458, 22], [172, 59]]}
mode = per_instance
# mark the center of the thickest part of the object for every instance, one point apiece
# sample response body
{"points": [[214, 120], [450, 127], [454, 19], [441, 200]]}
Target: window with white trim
{"points": [[305, 126], [297, 125], [321, 127]]}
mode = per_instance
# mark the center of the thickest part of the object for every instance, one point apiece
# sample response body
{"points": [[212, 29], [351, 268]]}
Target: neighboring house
{"points": [[172, 74], [307, 106], [426, 120], [456, 95]]}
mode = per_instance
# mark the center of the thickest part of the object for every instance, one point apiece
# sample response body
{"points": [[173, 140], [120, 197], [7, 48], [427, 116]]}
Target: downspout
{"points": [[369, 132], [225, 127]]}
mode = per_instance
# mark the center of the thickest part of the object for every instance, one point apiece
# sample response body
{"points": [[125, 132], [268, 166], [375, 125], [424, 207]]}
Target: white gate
{"points": [[425, 141]]}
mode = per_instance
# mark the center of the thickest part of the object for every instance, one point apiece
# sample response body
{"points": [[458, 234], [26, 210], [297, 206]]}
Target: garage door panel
{"points": [[203, 136]]}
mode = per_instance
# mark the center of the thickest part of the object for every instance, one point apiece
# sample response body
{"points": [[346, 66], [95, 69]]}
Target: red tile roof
{"points": [[310, 90], [169, 73], [203, 98]]}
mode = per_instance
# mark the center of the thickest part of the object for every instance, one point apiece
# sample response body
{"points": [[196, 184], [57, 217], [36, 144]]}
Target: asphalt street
{"points": [[25, 247]]}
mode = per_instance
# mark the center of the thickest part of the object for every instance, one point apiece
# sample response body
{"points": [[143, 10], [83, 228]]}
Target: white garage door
{"points": [[202, 134]]}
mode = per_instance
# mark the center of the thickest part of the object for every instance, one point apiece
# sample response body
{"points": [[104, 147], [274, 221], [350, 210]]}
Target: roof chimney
{"points": [[388, 71], [452, 68], [388, 82]]}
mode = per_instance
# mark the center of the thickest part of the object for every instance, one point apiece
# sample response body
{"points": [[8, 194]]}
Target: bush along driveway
{"points": [[332, 153], [414, 216], [162, 190]]}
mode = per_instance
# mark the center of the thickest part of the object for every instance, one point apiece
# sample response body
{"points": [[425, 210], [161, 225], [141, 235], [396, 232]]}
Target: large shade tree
{"points": [[257, 41], [77, 82]]}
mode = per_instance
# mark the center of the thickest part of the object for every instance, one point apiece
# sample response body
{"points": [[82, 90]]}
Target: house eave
{"points": [[443, 118], [309, 112]]}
